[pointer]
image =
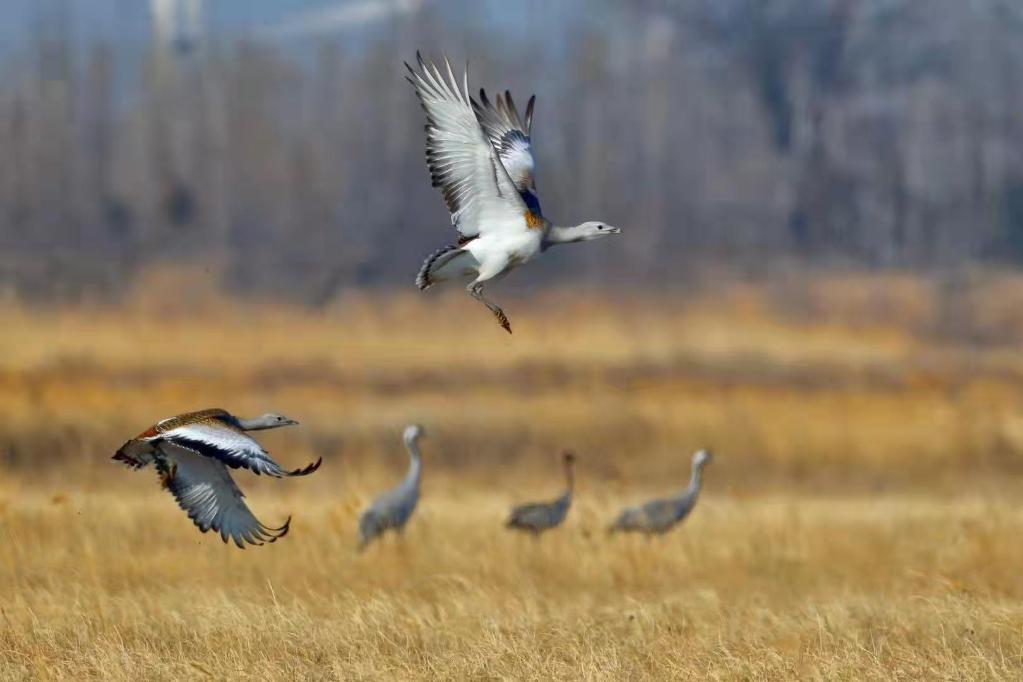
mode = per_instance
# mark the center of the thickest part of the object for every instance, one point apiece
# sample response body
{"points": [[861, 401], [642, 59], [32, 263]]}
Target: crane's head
{"points": [[702, 457], [414, 432], [568, 457], [595, 230]]}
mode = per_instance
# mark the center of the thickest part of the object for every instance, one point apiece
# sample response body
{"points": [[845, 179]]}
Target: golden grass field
{"points": [[861, 519]]}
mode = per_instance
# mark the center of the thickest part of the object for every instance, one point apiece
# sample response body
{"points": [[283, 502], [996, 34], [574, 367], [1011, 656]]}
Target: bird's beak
{"points": [[614, 230], [292, 422]]}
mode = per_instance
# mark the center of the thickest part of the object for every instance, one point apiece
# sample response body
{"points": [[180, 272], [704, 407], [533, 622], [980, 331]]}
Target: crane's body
{"points": [[537, 517], [392, 509], [661, 515]]}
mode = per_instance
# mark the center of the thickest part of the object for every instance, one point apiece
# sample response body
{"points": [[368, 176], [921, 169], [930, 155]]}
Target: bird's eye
{"points": [[600, 227]]}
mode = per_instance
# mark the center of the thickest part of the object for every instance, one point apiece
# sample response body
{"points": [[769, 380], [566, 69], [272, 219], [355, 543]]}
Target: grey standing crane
{"points": [[391, 510], [660, 516], [536, 517]]}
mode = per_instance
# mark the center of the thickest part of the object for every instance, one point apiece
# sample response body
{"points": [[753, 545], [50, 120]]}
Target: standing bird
{"points": [[191, 453], [536, 517], [660, 516], [480, 156], [392, 509]]}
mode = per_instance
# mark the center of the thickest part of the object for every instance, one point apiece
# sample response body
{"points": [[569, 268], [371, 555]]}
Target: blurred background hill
{"points": [[276, 143]]}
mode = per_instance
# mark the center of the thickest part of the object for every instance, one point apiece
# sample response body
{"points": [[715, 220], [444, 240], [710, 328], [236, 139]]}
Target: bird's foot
{"points": [[502, 320]]}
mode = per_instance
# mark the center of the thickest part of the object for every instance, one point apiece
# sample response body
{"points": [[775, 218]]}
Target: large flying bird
{"points": [[481, 158], [192, 453]]}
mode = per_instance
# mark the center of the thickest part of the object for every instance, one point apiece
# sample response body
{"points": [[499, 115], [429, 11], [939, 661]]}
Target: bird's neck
{"points": [[569, 481], [559, 234], [694, 481], [415, 465], [252, 424]]}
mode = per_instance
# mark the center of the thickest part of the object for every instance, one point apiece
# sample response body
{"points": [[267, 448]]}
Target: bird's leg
{"points": [[475, 290]]}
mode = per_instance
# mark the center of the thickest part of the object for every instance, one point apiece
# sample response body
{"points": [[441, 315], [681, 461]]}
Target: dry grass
{"points": [[114, 584], [860, 519]]}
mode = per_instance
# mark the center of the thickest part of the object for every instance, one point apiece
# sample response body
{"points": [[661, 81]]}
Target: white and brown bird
{"points": [[480, 156], [537, 517], [192, 453]]}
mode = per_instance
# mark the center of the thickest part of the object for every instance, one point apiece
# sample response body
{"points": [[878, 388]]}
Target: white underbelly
{"points": [[513, 250]]}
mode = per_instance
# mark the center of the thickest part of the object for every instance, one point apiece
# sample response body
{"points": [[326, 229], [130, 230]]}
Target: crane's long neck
{"points": [[569, 480], [695, 479], [415, 465], [559, 234]]}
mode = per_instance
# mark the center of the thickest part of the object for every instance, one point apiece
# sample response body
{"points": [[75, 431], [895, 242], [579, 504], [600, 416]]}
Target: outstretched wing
{"points": [[463, 164], [204, 488], [509, 136], [234, 448]]}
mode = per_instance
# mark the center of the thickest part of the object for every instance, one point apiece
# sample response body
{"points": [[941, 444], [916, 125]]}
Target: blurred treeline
{"points": [[746, 132]]}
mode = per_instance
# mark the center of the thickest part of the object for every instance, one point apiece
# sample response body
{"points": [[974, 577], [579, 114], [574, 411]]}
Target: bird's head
{"points": [[568, 457], [702, 458], [414, 432], [270, 420], [595, 230]]}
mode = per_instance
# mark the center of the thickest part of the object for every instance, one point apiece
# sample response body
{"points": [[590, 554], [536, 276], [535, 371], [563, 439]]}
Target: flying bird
{"points": [[537, 517], [481, 158], [660, 516], [391, 510], [192, 453]]}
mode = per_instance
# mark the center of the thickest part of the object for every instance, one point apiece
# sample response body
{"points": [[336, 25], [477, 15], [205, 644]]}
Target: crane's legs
{"points": [[475, 290]]}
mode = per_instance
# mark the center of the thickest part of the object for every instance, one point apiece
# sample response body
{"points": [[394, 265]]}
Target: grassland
{"points": [[861, 520]]}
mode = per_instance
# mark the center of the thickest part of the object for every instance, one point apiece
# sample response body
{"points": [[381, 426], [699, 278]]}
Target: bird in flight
{"points": [[480, 157], [192, 453]]}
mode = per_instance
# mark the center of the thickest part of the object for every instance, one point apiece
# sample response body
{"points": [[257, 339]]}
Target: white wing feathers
{"points": [[233, 448], [463, 164], [204, 489], [509, 136]]}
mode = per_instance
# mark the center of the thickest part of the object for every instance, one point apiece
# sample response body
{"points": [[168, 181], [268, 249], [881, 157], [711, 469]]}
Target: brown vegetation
{"points": [[859, 520]]}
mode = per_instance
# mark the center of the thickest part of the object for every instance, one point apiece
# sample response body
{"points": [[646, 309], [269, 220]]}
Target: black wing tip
{"points": [[272, 535], [259, 536], [307, 470]]}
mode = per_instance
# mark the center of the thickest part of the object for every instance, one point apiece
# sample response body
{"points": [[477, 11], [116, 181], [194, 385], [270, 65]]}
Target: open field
{"points": [[861, 519], [116, 585]]}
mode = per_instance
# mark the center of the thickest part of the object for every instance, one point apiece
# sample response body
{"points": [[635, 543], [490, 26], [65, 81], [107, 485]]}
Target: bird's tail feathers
{"points": [[130, 461], [443, 264]]}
